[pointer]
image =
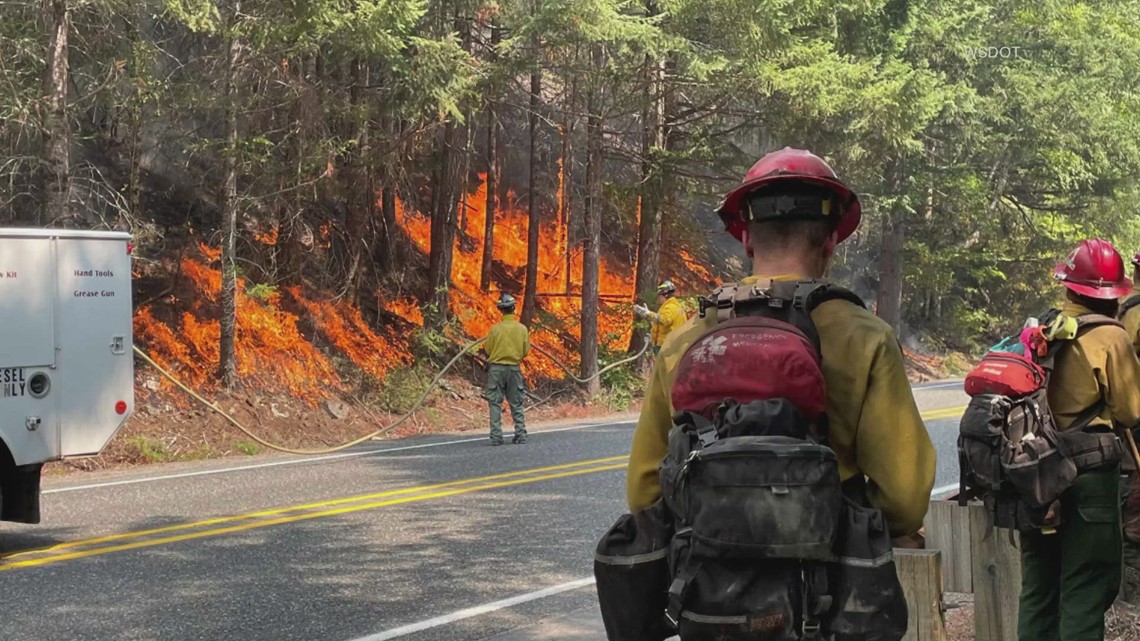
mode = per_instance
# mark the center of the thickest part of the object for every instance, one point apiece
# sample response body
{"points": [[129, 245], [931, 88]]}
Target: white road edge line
{"points": [[309, 459], [943, 490], [477, 611]]}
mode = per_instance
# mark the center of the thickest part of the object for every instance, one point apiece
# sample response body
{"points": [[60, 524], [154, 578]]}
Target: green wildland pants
{"points": [[1072, 577], [505, 381]]}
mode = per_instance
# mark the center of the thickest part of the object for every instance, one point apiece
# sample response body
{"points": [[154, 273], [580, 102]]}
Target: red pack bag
{"points": [[1005, 374]]}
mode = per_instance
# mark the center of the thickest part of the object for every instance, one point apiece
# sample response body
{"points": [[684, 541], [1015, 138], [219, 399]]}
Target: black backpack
{"points": [[767, 543], [1010, 452]]}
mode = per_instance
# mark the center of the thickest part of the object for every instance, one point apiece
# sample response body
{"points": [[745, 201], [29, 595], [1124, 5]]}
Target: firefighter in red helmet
{"points": [[1071, 577], [790, 212], [794, 173]]}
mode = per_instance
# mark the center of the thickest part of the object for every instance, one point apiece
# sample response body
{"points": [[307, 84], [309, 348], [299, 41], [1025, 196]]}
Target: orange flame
{"points": [[267, 237], [270, 349], [560, 328], [274, 354], [343, 325]]}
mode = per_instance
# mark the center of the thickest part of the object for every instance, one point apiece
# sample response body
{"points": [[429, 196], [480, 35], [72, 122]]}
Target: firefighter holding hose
{"points": [[668, 317]]}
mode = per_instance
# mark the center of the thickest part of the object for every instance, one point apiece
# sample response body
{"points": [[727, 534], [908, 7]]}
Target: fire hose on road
{"points": [[419, 402]]}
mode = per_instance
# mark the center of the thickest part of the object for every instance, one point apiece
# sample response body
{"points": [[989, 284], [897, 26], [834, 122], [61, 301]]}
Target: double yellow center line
{"points": [[124, 541], [229, 524], [943, 414]]}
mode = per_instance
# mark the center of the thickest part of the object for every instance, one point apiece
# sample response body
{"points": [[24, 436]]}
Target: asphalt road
{"points": [[438, 538]]}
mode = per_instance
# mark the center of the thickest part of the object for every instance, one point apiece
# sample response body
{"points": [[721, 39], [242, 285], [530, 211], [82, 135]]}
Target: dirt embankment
{"points": [[170, 427]]}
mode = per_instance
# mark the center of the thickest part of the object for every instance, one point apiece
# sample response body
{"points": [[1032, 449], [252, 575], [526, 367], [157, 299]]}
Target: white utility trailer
{"points": [[66, 367]]}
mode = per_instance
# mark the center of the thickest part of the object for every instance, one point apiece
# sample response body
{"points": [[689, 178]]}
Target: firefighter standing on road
{"points": [[1070, 578], [790, 213], [507, 344], [669, 317]]}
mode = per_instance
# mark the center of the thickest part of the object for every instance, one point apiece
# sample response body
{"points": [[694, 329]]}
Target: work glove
{"points": [[1063, 328], [640, 310]]}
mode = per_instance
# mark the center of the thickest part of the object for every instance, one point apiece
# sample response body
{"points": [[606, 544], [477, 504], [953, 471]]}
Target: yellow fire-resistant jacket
{"points": [[508, 342], [1131, 319], [1100, 364], [875, 426], [670, 318]]}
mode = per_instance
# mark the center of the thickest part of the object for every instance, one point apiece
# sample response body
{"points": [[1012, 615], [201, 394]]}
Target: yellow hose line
{"points": [[419, 403]]}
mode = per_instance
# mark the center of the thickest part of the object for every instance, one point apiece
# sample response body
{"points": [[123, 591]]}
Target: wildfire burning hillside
{"points": [[274, 355], [271, 351], [559, 333]]}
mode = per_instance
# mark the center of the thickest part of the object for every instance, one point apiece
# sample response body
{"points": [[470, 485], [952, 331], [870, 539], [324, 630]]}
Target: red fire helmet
{"points": [[792, 166], [1094, 269]]}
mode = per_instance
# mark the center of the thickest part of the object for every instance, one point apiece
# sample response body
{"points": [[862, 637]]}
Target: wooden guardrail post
{"points": [[947, 528], [996, 566], [920, 572], [981, 560]]}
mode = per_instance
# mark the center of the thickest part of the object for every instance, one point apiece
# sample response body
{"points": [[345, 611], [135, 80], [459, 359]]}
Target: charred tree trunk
{"points": [[890, 256], [389, 248], [567, 203], [593, 223], [134, 178], [134, 125], [55, 171], [445, 199], [388, 215], [530, 304], [653, 189], [292, 235], [359, 204], [492, 187], [492, 176], [228, 358], [442, 228]]}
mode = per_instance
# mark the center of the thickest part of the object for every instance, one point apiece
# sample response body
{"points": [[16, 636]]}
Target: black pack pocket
{"points": [[767, 417], [754, 600], [1031, 456], [761, 497], [980, 439], [1092, 451], [868, 600], [631, 567]]}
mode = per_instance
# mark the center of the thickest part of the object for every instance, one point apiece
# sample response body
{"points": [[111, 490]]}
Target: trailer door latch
{"points": [[32, 422], [118, 345]]}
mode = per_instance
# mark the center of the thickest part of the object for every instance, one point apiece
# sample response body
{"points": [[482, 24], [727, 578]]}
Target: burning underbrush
{"points": [[304, 343], [181, 333]]}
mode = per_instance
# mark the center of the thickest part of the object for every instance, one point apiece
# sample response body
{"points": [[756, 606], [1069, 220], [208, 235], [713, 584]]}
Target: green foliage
{"points": [[249, 448], [261, 291], [402, 387], [151, 449], [620, 385]]}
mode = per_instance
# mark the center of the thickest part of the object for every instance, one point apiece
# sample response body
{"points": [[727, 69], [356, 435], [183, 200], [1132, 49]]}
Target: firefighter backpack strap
{"points": [[723, 300], [814, 293], [1129, 305], [1089, 321]]}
